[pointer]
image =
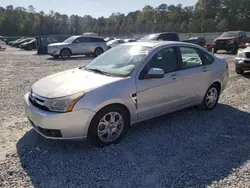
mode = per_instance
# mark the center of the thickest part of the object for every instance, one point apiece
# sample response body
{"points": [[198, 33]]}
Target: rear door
{"points": [[195, 72], [95, 42]]}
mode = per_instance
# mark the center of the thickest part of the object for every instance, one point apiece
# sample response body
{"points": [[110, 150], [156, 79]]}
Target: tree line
{"points": [[204, 16]]}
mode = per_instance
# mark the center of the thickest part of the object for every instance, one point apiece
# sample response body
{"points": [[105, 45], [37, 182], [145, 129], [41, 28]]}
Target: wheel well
{"points": [[66, 49], [218, 85], [117, 105]]}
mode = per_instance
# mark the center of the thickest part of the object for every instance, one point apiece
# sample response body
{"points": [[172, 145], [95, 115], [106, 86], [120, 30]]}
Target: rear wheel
{"points": [[108, 126], [215, 50], [239, 70], [65, 54], [211, 98], [98, 51]]}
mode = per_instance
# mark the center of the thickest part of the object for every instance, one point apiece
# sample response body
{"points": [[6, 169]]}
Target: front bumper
{"points": [[224, 46], [243, 63], [53, 51], [52, 125]]}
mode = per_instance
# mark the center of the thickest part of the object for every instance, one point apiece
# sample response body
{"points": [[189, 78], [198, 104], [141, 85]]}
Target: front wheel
{"points": [[108, 126], [65, 54], [211, 98], [239, 70]]}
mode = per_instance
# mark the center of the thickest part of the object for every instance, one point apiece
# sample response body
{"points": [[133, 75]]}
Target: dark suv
{"points": [[231, 41], [168, 36]]}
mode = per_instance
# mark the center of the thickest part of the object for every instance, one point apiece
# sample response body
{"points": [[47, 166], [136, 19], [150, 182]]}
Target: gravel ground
{"points": [[190, 148]]}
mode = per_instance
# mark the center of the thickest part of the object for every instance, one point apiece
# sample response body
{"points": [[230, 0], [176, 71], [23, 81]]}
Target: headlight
{"points": [[230, 41], [241, 54], [64, 104]]}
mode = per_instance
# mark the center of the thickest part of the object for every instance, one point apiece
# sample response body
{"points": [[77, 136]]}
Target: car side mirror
{"points": [[154, 73]]}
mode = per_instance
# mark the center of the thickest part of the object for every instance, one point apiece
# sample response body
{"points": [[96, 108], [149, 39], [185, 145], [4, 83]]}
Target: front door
{"points": [[160, 95]]}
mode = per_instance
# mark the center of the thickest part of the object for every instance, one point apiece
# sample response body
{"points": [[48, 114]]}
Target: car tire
{"points": [[105, 134], [211, 98], [239, 70], [65, 54], [98, 51], [215, 50]]}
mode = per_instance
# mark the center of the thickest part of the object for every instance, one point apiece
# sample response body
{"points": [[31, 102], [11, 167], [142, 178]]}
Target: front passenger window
{"points": [[190, 58], [165, 59]]}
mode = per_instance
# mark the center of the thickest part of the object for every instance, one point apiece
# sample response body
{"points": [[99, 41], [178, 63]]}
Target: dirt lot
{"points": [[191, 148]]}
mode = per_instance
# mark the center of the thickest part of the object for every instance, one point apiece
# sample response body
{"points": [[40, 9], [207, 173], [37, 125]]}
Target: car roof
{"points": [[158, 43]]}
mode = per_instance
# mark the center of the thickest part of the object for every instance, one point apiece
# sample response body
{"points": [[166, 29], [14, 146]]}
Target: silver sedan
{"points": [[130, 83]]}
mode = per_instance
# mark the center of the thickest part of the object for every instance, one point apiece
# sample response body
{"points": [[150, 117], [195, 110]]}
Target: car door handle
{"points": [[204, 69], [174, 76]]}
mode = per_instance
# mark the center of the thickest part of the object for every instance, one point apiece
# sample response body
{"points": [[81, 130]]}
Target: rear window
{"points": [[169, 37]]}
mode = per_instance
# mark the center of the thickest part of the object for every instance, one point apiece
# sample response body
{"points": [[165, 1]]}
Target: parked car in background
{"points": [[78, 45], [231, 41], [114, 43], [3, 45], [242, 60], [201, 41], [130, 40], [167, 36], [127, 84], [24, 41], [10, 43], [19, 42], [29, 45], [109, 39], [14, 43]]}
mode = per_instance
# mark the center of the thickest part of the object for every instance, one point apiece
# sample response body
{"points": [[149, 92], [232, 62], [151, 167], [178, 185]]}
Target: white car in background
{"points": [[3, 45], [114, 43]]}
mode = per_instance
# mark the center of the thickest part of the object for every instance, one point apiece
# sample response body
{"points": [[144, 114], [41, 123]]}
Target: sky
{"points": [[95, 8]]}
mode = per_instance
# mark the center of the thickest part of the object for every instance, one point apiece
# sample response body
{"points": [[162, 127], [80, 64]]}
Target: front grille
{"points": [[248, 55], [38, 101]]}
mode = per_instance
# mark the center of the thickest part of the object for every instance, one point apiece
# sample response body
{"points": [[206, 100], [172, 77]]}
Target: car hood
{"points": [[246, 49], [57, 44], [70, 82], [225, 38]]}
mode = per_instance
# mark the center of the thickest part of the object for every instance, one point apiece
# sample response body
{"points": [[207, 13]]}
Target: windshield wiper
{"points": [[99, 71]]}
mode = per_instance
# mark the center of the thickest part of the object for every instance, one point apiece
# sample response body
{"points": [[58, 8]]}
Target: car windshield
{"points": [[119, 61], [230, 34], [70, 39], [150, 37]]}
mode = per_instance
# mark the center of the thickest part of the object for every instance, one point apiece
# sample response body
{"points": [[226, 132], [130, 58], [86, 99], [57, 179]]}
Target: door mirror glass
{"points": [[154, 73]]}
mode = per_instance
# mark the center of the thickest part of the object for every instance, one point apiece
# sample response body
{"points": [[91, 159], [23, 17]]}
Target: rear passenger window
{"points": [[208, 59], [96, 39], [165, 59], [83, 39], [190, 58]]}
